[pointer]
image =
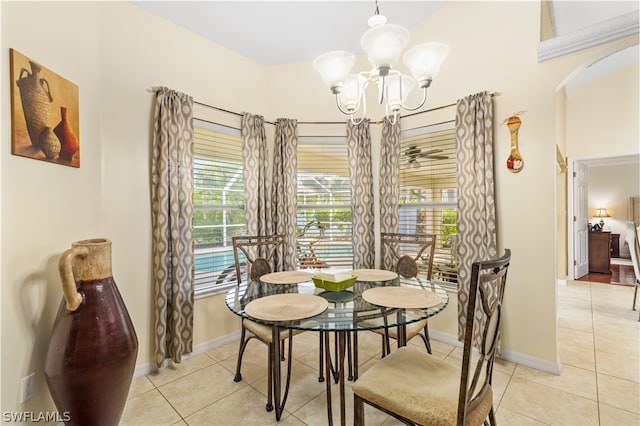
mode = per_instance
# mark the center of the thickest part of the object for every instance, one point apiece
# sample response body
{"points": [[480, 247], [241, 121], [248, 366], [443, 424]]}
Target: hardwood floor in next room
{"points": [[621, 274]]}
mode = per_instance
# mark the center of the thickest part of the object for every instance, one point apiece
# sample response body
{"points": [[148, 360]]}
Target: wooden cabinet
{"points": [[615, 245], [600, 252]]}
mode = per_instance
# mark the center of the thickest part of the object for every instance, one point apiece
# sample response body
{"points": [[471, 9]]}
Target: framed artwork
{"points": [[45, 121]]}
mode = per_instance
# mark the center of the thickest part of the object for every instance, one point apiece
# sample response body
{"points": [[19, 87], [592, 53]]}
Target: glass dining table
{"points": [[342, 314]]}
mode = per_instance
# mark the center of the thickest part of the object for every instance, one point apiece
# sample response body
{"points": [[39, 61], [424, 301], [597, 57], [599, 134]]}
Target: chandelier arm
{"points": [[350, 114], [356, 122], [424, 99], [383, 86], [394, 120], [340, 107], [364, 111]]}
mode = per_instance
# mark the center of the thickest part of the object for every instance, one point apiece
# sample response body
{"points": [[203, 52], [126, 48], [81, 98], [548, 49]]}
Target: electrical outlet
{"points": [[28, 387]]}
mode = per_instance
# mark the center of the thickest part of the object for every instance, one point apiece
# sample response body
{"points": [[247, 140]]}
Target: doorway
{"points": [[616, 181]]}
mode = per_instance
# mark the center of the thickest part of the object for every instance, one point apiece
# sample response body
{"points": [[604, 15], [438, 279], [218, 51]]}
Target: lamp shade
{"points": [[602, 212], [334, 67], [351, 91], [398, 88], [424, 61], [384, 43]]}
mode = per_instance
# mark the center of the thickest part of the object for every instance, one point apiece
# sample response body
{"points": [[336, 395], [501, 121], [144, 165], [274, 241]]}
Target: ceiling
{"points": [[278, 32]]}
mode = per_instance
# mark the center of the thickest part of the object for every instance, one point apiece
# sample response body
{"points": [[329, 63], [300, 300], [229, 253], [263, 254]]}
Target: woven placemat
{"points": [[286, 307], [401, 297], [286, 277], [374, 275]]}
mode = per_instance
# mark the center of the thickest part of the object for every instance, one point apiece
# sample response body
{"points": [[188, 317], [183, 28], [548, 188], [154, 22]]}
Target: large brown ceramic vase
{"points": [[93, 347]]}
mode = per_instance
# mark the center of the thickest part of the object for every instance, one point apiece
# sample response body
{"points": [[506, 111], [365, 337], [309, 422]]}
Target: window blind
{"points": [[324, 204], [428, 193], [218, 199]]}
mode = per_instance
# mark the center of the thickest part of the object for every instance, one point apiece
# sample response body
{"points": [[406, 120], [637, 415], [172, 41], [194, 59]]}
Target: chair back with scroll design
{"points": [[408, 254], [422, 389], [264, 254], [486, 293]]}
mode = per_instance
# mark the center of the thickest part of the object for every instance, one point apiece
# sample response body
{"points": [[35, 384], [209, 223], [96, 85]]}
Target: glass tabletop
{"points": [[347, 310]]}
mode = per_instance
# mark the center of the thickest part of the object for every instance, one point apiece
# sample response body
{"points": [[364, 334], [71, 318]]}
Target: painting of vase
{"points": [[45, 122]]}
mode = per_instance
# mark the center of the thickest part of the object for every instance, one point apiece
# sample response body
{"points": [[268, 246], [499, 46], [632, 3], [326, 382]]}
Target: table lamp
{"points": [[601, 212]]}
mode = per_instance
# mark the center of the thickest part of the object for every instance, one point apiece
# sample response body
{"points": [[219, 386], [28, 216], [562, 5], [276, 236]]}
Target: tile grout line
{"points": [[595, 359]]}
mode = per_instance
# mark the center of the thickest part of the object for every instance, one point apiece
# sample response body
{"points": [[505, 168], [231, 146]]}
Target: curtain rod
{"points": [[239, 114], [494, 94]]}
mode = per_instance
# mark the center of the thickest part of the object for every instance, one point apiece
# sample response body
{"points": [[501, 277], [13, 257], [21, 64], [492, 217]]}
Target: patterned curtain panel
{"points": [[172, 218], [257, 190], [389, 180], [361, 180], [476, 204], [285, 188]]}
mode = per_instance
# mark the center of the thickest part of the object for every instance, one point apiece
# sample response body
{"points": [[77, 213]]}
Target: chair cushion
{"points": [[419, 387], [263, 332]]}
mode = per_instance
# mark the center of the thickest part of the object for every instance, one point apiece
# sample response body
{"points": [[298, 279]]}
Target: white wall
{"points": [[45, 206], [115, 52], [602, 117]]}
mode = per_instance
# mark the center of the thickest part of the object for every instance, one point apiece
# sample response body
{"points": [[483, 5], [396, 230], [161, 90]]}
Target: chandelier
{"points": [[383, 43]]}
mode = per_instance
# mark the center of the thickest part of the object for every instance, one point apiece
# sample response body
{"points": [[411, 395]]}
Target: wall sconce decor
{"points": [[601, 212], [514, 161]]}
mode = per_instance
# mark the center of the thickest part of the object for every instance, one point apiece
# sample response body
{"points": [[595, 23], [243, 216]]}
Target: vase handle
{"points": [[22, 72], [71, 295], [47, 90]]}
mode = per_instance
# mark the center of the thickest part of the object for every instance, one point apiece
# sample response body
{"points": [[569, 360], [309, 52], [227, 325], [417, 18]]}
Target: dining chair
{"points": [[409, 255], [260, 257], [445, 268], [634, 249], [418, 388]]}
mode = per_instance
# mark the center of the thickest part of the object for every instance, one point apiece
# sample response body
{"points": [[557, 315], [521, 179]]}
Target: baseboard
{"points": [[511, 356], [532, 362], [150, 367], [447, 338]]}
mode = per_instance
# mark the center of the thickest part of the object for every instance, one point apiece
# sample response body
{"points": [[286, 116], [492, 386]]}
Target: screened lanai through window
{"points": [[218, 200], [324, 204], [427, 203], [428, 193]]}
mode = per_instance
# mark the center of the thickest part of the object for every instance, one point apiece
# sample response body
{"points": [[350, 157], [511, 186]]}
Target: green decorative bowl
{"points": [[334, 285]]}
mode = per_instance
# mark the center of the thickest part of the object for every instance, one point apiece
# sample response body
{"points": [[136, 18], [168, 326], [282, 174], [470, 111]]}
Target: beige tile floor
{"points": [[599, 340]]}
